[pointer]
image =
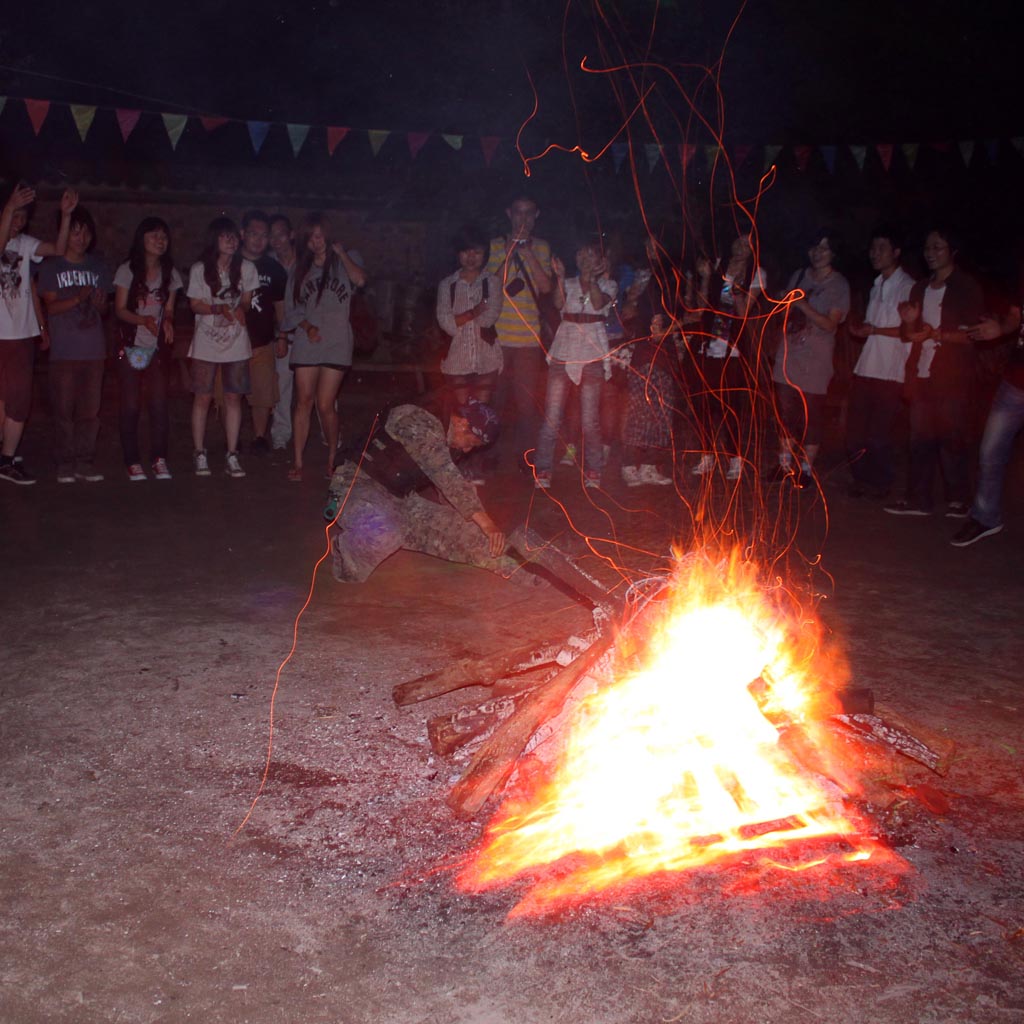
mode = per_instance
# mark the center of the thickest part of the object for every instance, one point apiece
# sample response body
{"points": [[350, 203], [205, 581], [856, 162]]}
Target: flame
{"points": [[678, 764]]}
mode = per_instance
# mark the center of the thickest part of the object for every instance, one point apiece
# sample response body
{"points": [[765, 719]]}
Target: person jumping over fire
{"points": [[403, 490]]}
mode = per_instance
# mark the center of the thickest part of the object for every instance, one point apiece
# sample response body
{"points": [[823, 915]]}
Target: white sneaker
{"points": [[160, 470], [631, 476], [136, 473], [705, 466], [735, 470], [649, 475], [232, 466], [201, 464]]}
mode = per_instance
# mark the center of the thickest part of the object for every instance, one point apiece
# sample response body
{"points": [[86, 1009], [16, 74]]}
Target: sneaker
{"points": [[136, 473], [957, 510], [631, 476], [15, 473], [542, 481], [735, 470], [569, 458], [649, 475], [705, 466], [259, 446], [904, 508], [973, 531], [200, 463], [89, 475], [160, 470], [232, 466], [65, 475], [591, 480]]}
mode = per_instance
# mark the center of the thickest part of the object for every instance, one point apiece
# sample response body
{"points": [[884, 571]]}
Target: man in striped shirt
{"points": [[523, 264]]}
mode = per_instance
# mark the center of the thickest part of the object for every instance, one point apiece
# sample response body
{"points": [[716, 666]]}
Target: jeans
{"points": [[76, 386], [939, 435], [519, 388], [870, 420], [281, 425], [590, 414], [153, 379], [1004, 423]]}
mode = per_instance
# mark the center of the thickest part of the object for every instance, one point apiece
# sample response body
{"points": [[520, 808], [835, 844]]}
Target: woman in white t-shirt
{"points": [[220, 288], [145, 287]]}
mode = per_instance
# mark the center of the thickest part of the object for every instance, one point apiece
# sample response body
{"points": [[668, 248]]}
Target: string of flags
{"points": [[682, 156], [83, 116]]}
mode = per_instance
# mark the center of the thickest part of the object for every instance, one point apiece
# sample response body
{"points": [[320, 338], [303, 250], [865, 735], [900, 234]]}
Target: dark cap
{"points": [[482, 419]]}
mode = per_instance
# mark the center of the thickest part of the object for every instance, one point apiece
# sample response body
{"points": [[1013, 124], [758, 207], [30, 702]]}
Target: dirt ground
{"points": [[142, 628]]}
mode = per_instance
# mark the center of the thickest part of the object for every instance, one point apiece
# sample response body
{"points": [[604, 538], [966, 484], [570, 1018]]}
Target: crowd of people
{"points": [[640, 353]]}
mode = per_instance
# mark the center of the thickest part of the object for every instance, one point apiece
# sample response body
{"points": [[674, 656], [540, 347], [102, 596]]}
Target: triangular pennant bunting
{"points": [[416, 140], [652, 151], [3, 103], [213, 123], [940, 147], [828, 154], [742, 152], [770, 153], [83, 116], [992, 150], [910, 150], [334, 136], [258, 132], [37, 111], [174, 125], [126, 121], [802, 154], [859, 155], [686, 154], [619, 151], [1018, 144], [711, 154], [455, 141], [377, 137], [966, 148], [489, 145], [297, 136], [884, 150]]}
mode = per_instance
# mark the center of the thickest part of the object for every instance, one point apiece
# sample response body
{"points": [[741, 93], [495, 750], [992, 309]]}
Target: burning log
{"points": [[495, 760], [901, 740]]}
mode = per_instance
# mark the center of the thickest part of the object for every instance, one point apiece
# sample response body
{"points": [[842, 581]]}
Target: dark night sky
{"points": [[794, 71]]}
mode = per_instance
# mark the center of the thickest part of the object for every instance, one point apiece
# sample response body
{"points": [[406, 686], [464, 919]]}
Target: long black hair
{"points": [[137, 262], [211, 253], [304, 258]]}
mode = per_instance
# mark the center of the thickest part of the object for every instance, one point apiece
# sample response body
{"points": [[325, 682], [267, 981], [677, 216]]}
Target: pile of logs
{"points": [[529, 686]]}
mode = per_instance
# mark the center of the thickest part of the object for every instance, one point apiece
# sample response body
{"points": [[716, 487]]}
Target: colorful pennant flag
{"points": [[126, 121], [83, 116], [742, 152], [652, 151], [258, 132], [802, 154], [455, 141], [966, 148], [3, 103], [37, 111], [334, 136], [619, 151], [1018, 144], [416, 140], [213, 123], [174, 125], [859, 155], [828, 154], [377, 137], [686, 154], [297, 136], [910, 150], [884, 150], [489, 145], [992, 150], [770, 153], [711, 154]]}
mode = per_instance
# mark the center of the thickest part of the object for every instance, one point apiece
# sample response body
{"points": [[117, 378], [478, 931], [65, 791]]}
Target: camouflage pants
{"points": [[374, 524]]}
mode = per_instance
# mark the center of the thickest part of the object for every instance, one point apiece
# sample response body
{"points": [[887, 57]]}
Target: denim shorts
{"points": [[234, 377]]}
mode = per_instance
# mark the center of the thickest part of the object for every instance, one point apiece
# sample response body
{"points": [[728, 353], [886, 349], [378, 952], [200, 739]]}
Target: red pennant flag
{"points": [[489, 143], [212, 123], [884, 150], [416, 141], [802, 155], [334, 136], [37, 111], [126, 121], [742, 152], [942, 147], [686, 151]]}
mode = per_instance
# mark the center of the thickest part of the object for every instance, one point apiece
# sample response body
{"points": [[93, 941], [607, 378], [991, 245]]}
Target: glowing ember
{"points": [[677, 765]]}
